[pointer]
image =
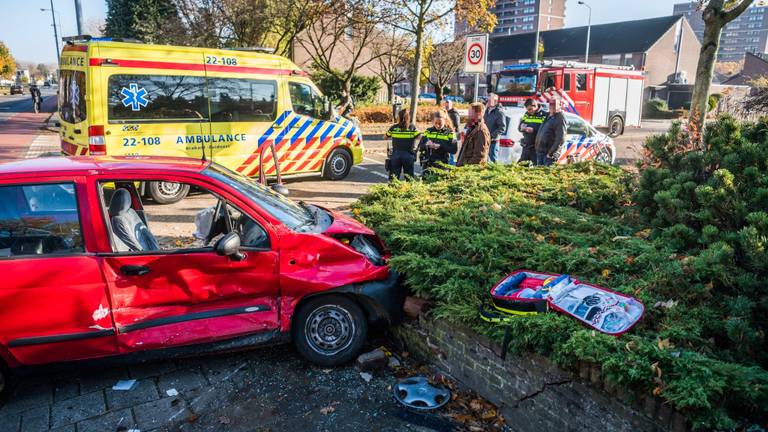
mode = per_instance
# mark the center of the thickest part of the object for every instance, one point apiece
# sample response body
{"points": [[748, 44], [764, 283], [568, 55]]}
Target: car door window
{"points": [[577, 126], [306, 101], [581, 82], [194, 223], [39, 220]]}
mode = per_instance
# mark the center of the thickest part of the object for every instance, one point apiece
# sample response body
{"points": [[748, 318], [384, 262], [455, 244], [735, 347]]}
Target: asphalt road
{"points": [[14, 104]]}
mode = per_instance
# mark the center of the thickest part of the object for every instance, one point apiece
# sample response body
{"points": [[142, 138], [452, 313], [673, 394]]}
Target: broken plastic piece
{"points": [[172, 392], [366, 376], [418, 394], [124, 385]]}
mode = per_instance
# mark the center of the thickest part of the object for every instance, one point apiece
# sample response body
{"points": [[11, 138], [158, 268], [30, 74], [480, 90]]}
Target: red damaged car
{"points": [[90, 271]]}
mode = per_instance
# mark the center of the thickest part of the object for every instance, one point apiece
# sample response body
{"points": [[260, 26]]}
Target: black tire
{"points": [[167, 192], [615, 126], [329, 330], [605, 155], [337, 164]]}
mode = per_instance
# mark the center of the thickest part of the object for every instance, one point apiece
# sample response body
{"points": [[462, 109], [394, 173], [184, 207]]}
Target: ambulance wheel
{"points": [[329, 330], [167, 192], [337, 165], [616, 126]]}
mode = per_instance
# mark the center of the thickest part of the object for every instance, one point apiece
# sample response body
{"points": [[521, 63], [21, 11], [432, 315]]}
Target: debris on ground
{"points": [[172, 392], [329, 409], [419, 394], [393, 362], [414, 306], [372, 360], [124, 385], [366, 376]]}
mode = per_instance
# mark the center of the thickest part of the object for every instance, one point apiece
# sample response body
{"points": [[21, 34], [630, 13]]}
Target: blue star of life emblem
{"points": [[134, 97]]}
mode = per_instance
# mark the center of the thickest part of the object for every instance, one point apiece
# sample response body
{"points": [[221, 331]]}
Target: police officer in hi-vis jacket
{"points": [[438, 142], [529, 125], [403, 153]]}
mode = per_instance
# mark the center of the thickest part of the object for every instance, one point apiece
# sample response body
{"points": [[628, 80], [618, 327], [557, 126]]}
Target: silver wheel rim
{"points": [[338, 164], [604, 156], [329, 330], [169, 189]]}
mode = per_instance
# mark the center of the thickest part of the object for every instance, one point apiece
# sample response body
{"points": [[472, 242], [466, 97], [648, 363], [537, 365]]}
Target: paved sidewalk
{"points": [[23, 134]]}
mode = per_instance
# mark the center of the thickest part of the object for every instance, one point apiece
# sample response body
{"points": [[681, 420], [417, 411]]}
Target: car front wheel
{"points": [[337, 165], [329, 330], [167, 192]]}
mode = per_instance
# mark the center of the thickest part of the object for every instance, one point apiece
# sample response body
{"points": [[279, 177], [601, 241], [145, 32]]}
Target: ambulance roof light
{"points": [[88, 38], [255, 49]]}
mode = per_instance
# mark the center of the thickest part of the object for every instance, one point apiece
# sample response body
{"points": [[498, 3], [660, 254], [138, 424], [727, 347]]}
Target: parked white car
{"points": [[583, 141]]}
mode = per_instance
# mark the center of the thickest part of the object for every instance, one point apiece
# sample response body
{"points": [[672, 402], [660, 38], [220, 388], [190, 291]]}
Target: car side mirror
{"points": [[281, 189], [229, 245]]}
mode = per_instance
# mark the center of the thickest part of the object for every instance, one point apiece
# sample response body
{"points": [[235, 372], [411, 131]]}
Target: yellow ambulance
{"points": [[124, 98]]}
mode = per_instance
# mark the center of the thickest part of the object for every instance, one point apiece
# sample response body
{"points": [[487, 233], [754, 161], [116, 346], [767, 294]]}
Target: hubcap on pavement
{"points": [[329, 329]]}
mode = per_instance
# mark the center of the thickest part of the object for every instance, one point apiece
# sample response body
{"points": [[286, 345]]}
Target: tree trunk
{"points": [[390, 93], [438, 94], [416, 75], [704, 71]]}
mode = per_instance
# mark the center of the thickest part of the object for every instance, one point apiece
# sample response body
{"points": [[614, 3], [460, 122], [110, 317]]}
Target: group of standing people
{"points": [[543, 132], [438, 144]]}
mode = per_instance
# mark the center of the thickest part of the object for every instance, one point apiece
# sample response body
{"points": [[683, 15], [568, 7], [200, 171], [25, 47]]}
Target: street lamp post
{"points": [[589, 30], [538, 35], [55, 30]]}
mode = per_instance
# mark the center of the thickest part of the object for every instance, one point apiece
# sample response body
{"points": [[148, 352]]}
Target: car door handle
{"points": [[134, 270]]}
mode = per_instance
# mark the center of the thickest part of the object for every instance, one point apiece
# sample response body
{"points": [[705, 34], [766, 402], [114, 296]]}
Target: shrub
{"points": [[364, 88], [383, 113], [701, 343]]}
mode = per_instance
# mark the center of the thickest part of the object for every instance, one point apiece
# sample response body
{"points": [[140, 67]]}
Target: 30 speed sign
{"points": [[476, 53]]}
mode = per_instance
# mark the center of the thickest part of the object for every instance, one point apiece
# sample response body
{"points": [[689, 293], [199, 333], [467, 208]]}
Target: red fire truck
{"points": [[606, 96]]}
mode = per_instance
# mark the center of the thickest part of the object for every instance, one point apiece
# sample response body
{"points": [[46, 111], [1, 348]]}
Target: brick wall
{"points": [[532, 393]]}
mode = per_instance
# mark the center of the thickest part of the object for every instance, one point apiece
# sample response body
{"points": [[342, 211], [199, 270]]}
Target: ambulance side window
{"points": [[156, 99], [305, 101], [242, 100]]}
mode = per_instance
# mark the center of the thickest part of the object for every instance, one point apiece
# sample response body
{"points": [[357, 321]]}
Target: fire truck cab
{"points": [[607, 96]]}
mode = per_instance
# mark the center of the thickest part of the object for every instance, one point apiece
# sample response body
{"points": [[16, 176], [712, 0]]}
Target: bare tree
{"points": [[393, 60], [419, 16], [716, 14], [346, 39], [444, 61], [243, 23]]}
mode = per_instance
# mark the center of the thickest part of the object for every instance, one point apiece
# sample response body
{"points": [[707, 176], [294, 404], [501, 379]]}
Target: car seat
{"points": [[131, 234]]}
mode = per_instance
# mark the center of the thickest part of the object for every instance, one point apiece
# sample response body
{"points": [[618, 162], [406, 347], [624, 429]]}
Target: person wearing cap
{"points": [[530, 123], [551, 135]]}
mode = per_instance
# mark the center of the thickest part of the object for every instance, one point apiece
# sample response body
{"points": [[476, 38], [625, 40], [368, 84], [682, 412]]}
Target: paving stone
{"points": [[30, 394], [78, 408], [68, 428], [63, 390], [10, 422], [107, 422], [227, 368], [143, 391], [101, 379], [160, 413], [146, 370], [35, 420], [181, 380]]}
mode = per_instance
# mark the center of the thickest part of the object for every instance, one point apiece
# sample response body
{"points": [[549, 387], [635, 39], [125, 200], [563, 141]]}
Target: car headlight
{"points": [[366, 247]]}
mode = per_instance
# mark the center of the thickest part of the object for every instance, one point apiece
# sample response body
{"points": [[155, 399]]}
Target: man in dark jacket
{"points": [[551, 136], [452, 114], [530, 123], [497, 124]]}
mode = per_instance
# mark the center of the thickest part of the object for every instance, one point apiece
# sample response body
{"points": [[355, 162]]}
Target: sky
{"points": [[28, 32]]}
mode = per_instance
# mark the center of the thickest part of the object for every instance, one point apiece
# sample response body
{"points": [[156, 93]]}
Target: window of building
{"points": [[39, 220], [242, 100], [628, 59], [581, 82], [156, 98], [612, 59]]}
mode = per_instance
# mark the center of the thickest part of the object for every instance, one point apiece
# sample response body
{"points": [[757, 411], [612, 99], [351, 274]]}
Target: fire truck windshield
{"points": [[516, 84]]}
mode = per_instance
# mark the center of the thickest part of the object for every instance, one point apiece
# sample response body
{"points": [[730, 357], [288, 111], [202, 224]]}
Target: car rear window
{"points": [[72, 108], [157, 99], [39, 220], [242, 100]]}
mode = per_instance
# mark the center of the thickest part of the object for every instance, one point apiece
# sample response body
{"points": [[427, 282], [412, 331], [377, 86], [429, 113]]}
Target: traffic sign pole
{"points": [[477, 87]]}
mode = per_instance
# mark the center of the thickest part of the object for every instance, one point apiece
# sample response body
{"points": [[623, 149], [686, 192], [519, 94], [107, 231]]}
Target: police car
{"points": [[583, 142]]}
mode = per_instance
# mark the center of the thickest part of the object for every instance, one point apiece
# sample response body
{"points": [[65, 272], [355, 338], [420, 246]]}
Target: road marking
{"points": [[42, 144], [371, 170]]}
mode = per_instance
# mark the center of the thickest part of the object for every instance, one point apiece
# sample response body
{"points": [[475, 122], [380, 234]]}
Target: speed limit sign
{"points": [[476, 53]]}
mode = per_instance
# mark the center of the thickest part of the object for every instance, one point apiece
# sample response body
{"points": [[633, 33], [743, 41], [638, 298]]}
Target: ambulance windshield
{"points": [[519, 83]]}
